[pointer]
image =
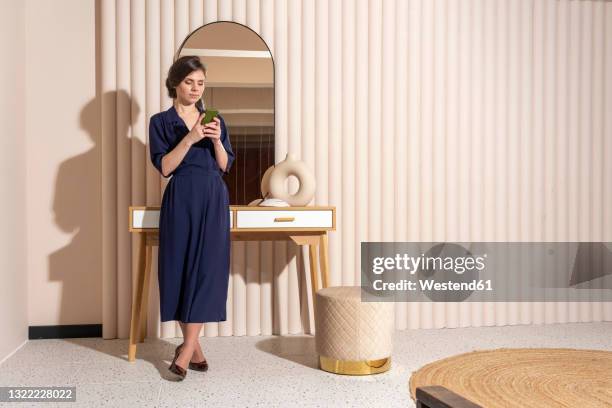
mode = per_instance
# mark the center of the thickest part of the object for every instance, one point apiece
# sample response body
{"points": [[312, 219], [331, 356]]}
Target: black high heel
{"points": [[201, 366], [176, 369]]}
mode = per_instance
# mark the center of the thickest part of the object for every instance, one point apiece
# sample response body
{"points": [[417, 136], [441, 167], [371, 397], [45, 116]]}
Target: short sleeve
{"points": [[158, 144], [225, 140]]}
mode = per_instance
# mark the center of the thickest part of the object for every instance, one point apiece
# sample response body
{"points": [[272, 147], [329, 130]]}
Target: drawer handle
{"points": [[284, 219]]}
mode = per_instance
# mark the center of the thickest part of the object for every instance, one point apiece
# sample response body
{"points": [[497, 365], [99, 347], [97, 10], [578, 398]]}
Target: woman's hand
{"points": [[197, 132], [213, 130]]}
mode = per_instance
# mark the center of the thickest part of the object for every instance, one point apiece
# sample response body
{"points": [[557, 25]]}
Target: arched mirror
{"points": [[240, 85]]}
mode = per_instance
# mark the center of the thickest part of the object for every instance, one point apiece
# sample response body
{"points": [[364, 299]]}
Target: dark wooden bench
{"points": [[436, 396]]}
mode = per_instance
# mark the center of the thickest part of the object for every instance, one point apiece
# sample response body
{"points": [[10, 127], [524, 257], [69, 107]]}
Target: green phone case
{"points": [[210, 114]]}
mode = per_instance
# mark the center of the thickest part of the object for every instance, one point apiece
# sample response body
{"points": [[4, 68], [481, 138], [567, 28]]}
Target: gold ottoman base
{"points": [[363, 367]]}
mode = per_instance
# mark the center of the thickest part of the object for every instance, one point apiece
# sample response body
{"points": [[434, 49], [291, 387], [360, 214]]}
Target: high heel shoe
{"points": [[176, 369], [201, 366]]}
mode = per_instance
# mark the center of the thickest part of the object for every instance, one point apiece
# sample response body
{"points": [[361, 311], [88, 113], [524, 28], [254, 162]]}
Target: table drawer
{"points": [[148, 219], [284, 219]]}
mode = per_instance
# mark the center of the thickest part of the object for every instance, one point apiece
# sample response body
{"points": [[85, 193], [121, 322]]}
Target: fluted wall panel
{"points": [[423, 120]]}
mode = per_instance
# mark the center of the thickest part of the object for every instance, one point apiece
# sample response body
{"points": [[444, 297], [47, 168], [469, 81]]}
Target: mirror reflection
{"points": [[240, 85]]}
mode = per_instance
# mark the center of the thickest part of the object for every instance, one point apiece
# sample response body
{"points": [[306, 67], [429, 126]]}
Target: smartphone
{"points": [[210, 114]]}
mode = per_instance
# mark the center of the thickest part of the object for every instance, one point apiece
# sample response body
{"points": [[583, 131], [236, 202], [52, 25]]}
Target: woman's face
{"points": [[191, 88]]}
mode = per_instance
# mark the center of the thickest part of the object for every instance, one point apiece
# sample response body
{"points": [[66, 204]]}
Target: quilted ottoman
{"points": [[353, 337]]}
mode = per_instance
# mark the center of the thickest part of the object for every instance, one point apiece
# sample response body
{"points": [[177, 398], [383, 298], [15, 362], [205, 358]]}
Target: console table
{"points": [[302, 225]]}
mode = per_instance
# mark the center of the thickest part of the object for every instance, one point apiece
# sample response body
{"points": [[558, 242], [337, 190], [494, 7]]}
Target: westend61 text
{"points": [[430, 284]]}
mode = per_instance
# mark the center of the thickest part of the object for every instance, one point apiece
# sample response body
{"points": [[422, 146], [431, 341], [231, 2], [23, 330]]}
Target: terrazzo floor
{"points": [[266, 371]]}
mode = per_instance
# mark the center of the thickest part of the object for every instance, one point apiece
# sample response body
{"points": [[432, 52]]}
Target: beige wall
{"points": [[63, 179], [13, 290], [474, 120]]}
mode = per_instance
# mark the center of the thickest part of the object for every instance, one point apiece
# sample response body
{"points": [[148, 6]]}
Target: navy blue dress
{"points": [[194, 225]]}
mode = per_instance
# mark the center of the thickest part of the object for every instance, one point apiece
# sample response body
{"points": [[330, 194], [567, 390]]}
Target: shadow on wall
{"points": [[77, 209]]}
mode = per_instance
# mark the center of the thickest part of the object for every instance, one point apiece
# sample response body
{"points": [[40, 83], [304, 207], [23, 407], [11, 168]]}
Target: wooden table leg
{"points": [[144, 302], [137, 298], [312, 248], [324, 260], [312, 241]]}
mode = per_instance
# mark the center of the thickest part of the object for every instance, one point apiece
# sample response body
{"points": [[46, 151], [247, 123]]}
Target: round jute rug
{"points": [[524, 377]]}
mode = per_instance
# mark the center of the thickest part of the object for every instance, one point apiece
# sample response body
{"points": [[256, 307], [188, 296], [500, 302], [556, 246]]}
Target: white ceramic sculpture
{"points": [[291, 167], [273, 202]]}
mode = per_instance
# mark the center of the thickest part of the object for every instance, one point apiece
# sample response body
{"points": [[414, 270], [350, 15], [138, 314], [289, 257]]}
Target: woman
{"points": [[194, 225]]}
